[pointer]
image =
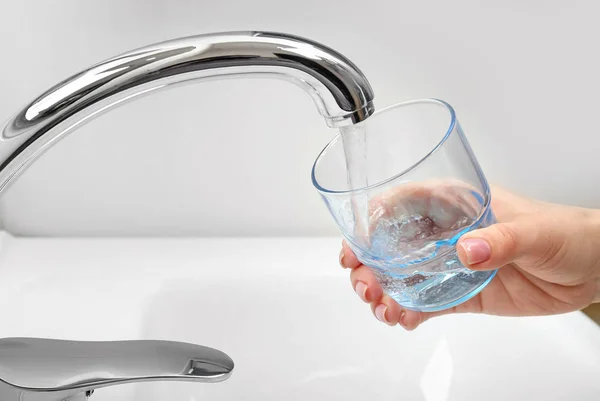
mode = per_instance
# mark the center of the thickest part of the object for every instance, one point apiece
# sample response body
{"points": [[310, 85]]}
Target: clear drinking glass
{"points": [[403, 186]]}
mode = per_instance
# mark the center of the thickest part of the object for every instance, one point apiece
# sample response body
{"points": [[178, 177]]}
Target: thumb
{"points": [[503, 243]]}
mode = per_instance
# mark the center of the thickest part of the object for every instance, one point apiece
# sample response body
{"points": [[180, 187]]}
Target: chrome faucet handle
{"points": [[35, 369]]}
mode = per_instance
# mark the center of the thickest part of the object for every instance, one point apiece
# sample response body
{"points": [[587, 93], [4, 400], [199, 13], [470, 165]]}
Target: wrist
{"points": [[593, 235]]}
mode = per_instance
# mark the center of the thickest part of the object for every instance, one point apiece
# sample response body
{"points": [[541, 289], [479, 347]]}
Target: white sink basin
{"points": [[285, 312]]}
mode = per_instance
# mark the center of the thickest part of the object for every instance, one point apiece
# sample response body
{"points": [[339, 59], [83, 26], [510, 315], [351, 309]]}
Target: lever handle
{"points": [[35, 369]]}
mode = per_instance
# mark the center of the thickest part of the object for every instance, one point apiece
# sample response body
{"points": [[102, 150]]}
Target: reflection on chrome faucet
{"points": [[28, 367]]}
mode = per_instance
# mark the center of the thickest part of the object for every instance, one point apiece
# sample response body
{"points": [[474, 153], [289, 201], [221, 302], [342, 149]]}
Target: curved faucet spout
{"points": [[340, 90]]}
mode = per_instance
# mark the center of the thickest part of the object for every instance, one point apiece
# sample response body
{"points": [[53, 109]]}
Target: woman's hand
{"points": [[548, 255]]}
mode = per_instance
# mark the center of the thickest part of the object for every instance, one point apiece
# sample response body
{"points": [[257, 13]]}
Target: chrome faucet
{"points": [[34, 369], [341, 92], [56, 370]]}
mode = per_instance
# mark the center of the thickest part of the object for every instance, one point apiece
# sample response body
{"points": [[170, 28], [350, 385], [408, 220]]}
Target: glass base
{"points": [[439, 292]]}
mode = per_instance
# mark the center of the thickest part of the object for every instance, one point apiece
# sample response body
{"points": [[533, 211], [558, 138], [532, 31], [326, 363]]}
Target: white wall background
{"points": [[234, 157]]}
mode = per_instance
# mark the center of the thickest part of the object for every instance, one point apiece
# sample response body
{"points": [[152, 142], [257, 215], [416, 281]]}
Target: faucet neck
{"points": [[340, 91]]}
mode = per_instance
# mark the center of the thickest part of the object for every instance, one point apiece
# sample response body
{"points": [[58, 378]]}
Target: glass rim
{"points": [[337, 137]]}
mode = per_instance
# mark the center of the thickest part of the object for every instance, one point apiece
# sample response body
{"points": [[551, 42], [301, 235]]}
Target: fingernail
{"points": [[477, 250], [342, 258], [402, 319], [361, 290], [380, 313]]}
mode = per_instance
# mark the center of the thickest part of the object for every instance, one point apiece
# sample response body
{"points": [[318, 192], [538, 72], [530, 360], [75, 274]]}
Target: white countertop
{"points": [[285, 312]]}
